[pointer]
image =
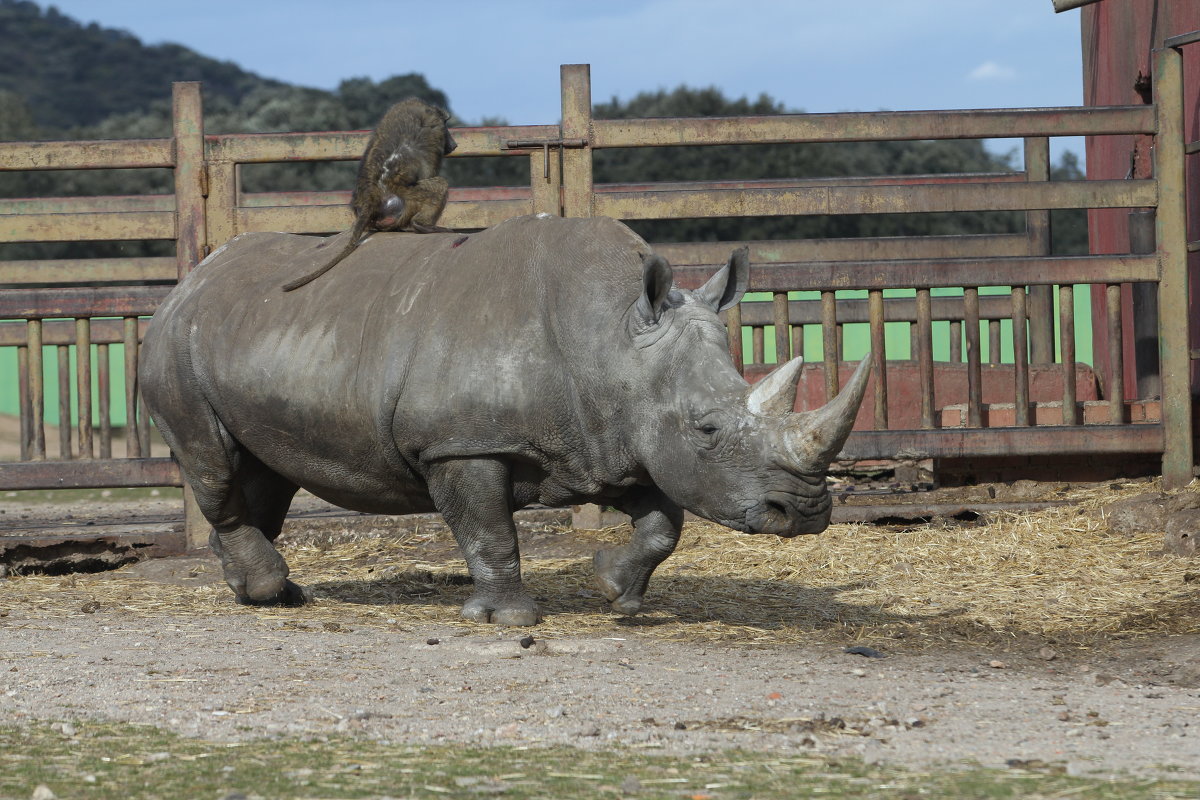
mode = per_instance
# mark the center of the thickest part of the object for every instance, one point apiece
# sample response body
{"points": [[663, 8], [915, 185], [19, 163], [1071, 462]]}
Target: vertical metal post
{"points": [[104, 385], [879, 364], [1145, 309], [1116, 360], [1066, 324], [924, 356], [23, 400], [129, 342], [779, 309], [1020, 316], [64, 402], [37, 389], [577, 124], [1171, 238], [83, 385], [829, 343], [1037, 224], [974, 363]]}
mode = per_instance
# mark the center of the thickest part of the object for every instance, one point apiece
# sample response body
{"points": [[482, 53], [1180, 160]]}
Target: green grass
{"points": [[90, 495], [98, 760]]}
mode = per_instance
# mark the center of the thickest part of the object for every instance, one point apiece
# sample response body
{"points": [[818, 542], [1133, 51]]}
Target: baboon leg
{"points": [[428, 197]]}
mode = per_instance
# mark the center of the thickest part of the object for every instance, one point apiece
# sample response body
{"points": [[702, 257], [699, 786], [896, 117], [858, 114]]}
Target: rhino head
{"points": [[725, 450]]}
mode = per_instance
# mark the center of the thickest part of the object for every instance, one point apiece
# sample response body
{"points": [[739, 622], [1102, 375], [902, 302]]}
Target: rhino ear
{"points": [[729, 284], [656, 285]]}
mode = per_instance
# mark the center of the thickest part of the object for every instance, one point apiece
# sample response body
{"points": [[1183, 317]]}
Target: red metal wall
{"points": [[1118, 38]]}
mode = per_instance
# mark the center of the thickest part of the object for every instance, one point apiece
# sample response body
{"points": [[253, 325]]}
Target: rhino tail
{"points": [[356, 234]]}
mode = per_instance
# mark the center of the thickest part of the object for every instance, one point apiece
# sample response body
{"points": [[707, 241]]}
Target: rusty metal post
{"points": [[1171, 238], [924, 356], [577, 192], [1037, 224], [879, 364], [829, 343], [1020, 316], [974, 363], [779, 314], [1116, 361], [37, 390], [1066, 324], [1145, 309], [83, 385], [190, 232]]}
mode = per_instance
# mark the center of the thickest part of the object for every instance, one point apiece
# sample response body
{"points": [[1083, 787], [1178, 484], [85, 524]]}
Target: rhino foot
{"points": [[291, 595], [515, 610], [622, 589]]}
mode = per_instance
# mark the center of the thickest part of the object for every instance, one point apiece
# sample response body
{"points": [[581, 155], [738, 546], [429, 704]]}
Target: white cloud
{"points": [[991, 71]]}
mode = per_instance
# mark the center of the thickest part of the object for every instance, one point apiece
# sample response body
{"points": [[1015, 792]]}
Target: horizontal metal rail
{"points": [[129, 154], [64, 332], [89, 270], [82, 301], [842, 199], [93, 473], [874, 126], [937, 273], [1047, 440]]}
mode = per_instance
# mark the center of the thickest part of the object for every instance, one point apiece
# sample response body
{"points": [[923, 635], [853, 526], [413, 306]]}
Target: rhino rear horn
{"points": [[814, 438], [776, 393]]}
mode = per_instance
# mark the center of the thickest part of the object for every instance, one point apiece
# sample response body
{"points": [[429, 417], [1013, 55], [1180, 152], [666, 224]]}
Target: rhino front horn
{"points": [[814, 438]]}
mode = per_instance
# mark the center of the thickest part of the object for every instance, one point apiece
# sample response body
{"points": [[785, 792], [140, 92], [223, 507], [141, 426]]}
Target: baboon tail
{"points": [[356, 233]]}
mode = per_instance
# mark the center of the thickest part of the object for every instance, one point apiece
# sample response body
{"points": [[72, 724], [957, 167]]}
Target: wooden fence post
{"points": [[190, 237]]}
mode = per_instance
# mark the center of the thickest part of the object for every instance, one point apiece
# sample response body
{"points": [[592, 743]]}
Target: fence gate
{"points": [[69, 320]]}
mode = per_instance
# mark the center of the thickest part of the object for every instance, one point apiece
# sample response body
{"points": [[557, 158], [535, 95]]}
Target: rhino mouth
{"points": [[788, 515]]}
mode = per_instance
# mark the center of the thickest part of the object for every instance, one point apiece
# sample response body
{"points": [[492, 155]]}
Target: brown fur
{"points": [[398, 186]]}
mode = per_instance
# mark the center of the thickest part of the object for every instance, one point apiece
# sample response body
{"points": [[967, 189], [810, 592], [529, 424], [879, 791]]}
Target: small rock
{"points": [[994, 664], [1047, 654], [1182, 528], [1103, 679], [433, 641], [680, 726], [1139, 514], [527, 642], [42, 792], [1064, 716], [868, 652], [556, 712], [858, 673]]}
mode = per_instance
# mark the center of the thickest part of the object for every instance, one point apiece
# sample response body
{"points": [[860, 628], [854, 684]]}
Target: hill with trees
{"points": [[60, 79]]}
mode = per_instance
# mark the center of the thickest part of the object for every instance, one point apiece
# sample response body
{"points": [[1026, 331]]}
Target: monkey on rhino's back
{"points": [[398, 186]]}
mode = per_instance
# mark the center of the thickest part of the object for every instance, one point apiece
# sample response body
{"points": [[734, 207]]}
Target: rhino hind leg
{"points": [[245, 502], [474, 496], [623, 573]]}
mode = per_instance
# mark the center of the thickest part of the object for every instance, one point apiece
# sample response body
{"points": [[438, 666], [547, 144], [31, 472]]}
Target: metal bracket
{"points": [[545, 144]]}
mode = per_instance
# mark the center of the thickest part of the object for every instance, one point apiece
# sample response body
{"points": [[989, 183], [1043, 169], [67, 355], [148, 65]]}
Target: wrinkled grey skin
{"points": [[545, 360]]}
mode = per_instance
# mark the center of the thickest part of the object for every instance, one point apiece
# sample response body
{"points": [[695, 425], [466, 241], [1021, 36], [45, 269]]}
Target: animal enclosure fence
{"points": [[90, 312]]}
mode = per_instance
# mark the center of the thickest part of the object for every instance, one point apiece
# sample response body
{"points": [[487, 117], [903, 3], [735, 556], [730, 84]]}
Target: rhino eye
{"points": [[708, 429]]}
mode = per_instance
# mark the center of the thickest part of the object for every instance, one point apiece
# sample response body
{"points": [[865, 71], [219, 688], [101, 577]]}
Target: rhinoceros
{"points": [[544, 360]]}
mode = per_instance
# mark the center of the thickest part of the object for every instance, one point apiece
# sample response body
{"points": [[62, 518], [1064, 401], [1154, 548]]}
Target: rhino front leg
{"points": [[622, 573], [474, 495]]}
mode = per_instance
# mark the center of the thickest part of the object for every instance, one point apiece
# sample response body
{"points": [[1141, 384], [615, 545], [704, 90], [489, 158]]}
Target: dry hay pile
{"points": [[1057, 573]]}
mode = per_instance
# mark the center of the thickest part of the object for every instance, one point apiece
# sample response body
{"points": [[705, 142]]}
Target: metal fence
{"points": [[77, 305]]}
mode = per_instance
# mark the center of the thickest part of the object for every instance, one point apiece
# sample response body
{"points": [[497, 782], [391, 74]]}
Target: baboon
{"points": [[398, 186]]}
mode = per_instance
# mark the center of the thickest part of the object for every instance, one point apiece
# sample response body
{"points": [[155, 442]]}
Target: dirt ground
{"points": [[1111, 707]]}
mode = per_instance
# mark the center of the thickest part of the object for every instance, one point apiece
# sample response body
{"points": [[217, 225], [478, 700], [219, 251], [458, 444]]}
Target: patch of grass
{"points": [[100, 760], [92, 495]]}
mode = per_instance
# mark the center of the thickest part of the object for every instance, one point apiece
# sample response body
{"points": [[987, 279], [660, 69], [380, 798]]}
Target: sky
{"points": [[499, 59]]}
